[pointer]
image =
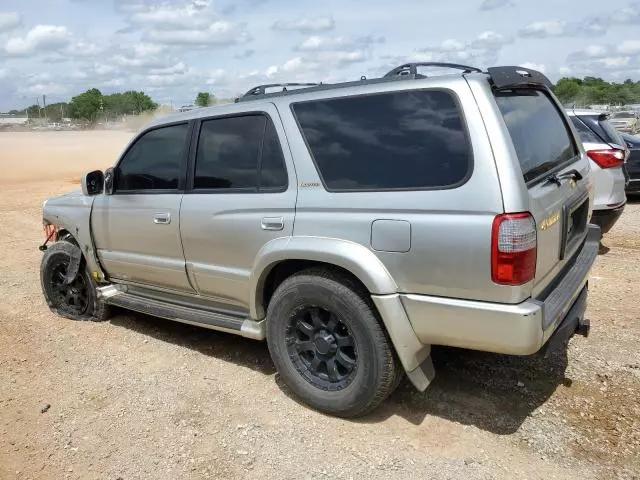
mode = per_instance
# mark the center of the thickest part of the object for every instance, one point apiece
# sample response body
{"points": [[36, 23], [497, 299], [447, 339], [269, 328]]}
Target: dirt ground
{"points": [[144, 398]]}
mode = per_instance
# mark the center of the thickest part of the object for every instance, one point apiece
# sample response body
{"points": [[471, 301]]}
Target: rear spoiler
{"points": [[504, 78]]}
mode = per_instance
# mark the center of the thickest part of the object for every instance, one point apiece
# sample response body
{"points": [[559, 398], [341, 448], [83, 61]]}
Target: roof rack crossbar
{"points": [[262, 89], [412, 68]]}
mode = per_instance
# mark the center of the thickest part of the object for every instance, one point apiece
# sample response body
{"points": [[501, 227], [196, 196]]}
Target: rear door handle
{"points": [[272, 223], [162, 218]]}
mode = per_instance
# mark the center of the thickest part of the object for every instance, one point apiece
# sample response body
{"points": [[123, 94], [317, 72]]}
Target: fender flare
{"points": [[351, 256]]}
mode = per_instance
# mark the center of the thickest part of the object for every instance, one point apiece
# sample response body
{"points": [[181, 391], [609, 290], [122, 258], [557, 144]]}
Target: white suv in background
{"points": [[608, 153]]}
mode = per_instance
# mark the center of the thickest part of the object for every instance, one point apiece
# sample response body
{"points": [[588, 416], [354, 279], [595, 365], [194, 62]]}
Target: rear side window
{"points": [[154, 161], [239, 153], [388, 141], [586, 134], [539, 134]]}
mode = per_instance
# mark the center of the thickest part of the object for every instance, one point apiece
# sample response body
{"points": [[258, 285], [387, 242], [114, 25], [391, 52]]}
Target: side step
{"points": [[179, 313]]}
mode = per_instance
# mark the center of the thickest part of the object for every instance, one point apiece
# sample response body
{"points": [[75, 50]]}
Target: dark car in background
{"points": [[633, 163]]}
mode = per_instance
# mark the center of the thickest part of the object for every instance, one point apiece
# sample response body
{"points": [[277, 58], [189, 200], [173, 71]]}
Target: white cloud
{"points": [[490, 39], [9, 21], [452, 45], [173, 17], [544, 29], [615, 62], [49, 88], [41, 38], [144, 49], [219, 33], [495, 4], [217, 76], [178, 68], [84, 49], [629, 47], [4, 73], [595, 51], [306, 25], [534, 66], [166, 80]]}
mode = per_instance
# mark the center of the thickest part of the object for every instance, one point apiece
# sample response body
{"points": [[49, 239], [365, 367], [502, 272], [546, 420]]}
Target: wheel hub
{"points": [[325, 343]]}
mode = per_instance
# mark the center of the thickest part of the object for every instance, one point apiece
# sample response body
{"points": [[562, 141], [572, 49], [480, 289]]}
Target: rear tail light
{"points": [[607, 158], [514, 248]]}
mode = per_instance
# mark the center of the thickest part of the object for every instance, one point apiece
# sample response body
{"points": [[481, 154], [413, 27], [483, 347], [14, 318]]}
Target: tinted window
{"points": [[154, 162], [228, 152], [586, 134], [604, 129], [398, 140], [273, 174], [540, 136]]}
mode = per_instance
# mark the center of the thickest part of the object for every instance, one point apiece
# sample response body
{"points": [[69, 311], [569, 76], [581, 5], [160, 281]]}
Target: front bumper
{"points": [[607, 218], [521, 329]]}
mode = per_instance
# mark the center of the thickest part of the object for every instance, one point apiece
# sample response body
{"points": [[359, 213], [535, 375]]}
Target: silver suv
{"points": [[352, 226]]}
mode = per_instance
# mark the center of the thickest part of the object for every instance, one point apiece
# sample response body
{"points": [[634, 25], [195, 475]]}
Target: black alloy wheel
{"points": [[322, 348]]}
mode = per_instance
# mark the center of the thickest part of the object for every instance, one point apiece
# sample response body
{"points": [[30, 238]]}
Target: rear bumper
{"points": [[521, 329], [606, 218]]}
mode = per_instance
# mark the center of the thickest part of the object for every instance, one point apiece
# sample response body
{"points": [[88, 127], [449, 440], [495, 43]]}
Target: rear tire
{"points": [[328, 344], [77, 300]]}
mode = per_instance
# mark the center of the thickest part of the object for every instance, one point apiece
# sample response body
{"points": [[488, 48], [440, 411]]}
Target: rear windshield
{"points": [[603, 128], [539, 134]]}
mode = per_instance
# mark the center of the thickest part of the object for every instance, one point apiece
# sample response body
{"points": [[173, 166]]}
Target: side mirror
{"points": [[93, 183], [108, 180]]}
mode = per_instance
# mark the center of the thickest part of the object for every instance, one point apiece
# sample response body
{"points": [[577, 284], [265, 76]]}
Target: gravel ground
{"points": [[138, 397]]}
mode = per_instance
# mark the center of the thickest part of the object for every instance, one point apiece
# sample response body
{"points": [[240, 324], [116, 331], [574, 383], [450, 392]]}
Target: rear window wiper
{"points": [[557, 179]]}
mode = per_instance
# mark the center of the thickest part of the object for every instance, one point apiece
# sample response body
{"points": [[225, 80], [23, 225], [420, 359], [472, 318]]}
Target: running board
{"points": [[178, 313]]}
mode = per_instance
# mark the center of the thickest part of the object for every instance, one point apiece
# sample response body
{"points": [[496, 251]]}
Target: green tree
{"points": [[567, 89], [129, 102], [87, 105], [204, 99]]}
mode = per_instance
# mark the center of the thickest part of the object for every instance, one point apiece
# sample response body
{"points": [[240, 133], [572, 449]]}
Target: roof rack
{"points": [[412, 68], [262, 89]]}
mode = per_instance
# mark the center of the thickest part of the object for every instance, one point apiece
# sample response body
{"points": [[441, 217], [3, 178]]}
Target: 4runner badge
{"points": [[548, 222]]}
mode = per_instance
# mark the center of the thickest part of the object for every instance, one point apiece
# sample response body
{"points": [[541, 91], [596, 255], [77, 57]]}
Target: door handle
{"points": [[162, 218], [272, 223]]}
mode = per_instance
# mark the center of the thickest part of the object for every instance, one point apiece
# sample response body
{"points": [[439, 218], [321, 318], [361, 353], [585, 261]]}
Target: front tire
{"points": [[328, 344], [77, 300]]}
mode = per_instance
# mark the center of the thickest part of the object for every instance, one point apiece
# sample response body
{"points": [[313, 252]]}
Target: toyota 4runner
{"points": [[351, 225]]}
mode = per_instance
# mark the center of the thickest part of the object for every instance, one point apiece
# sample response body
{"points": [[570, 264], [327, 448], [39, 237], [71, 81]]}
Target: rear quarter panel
{"points": [[449, 253]]}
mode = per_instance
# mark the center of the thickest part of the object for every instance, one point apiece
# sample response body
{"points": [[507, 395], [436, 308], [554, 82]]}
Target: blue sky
{"points": [[172, 49]]}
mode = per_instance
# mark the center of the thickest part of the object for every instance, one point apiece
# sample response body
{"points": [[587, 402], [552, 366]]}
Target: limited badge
{"points": [[548, 222]]}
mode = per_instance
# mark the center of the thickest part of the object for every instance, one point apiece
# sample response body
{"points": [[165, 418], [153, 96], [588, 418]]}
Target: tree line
{"points": [[93, 106], [596, 91]]}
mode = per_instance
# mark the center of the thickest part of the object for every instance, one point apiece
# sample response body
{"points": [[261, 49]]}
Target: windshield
{"points": [[539, 134], [622, 115]]}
